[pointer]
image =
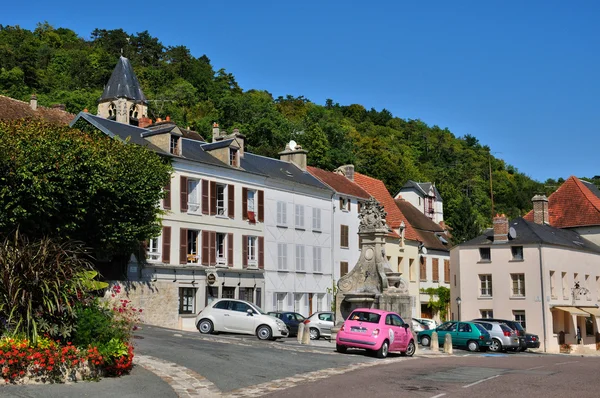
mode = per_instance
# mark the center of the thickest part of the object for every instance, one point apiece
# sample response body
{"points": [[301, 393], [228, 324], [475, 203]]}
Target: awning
{"points": [[591, 310], [572, 310]]}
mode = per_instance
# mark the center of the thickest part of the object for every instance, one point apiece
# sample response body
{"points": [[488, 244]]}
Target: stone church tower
{"points": [[123, 99]]}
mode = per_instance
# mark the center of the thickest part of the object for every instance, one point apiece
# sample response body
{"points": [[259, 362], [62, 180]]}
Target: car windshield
{"points": [[260, 310], [364, 316]]}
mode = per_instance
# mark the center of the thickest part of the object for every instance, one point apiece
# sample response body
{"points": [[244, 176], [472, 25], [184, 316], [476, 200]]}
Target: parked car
{"points": [[238, 316], [464, 334], [320, 324], [532, 340], [291, 320], [418, 326], [429, 322], [503, 337], [513, 325], [376, 331]]}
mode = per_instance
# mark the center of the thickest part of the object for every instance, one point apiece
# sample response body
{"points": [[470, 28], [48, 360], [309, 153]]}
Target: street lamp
{"points": [[458, 302]]}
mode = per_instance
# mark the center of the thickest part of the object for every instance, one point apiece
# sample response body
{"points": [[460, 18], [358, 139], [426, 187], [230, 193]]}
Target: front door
{"points": [[403, 334]]}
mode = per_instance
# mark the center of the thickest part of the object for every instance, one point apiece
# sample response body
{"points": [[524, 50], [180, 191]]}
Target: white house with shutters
{"points": [[425, 197]]}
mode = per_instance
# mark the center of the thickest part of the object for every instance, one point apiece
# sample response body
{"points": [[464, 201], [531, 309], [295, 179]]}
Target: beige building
{"points": [[546, 278]]}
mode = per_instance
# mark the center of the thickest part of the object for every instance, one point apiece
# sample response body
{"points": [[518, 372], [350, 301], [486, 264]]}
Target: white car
{"points": [[417, 326], [429, 322], [239, 316]]}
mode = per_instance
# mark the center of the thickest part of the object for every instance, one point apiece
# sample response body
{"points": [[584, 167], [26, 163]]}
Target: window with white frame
{"points": [[193, 246], [250, 204], [193, 189], [281, 256], [281, 213], [320, 306], [298, 301], [174, 147], [252, 252], [299, 216], [517, 252], [587, 287], [300, 258], [485, 289], [290, 301], [221, 247], [488, 314], [553, 284], [316, 219], [317, 262], [278, 299], [221, 199], [153, 249], [233, 157], [344, 204], [187, 298], [518, 285], [520, 317], [565, 288]]}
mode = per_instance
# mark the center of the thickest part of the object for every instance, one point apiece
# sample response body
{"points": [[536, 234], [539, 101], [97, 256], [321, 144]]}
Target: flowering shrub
{"points": [[125, 315]]}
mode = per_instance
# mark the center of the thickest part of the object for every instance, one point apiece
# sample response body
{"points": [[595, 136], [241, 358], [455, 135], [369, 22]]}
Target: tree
{"points": [[67, 184], [464, 221]]}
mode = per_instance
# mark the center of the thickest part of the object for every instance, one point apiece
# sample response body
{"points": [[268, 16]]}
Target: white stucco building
{"points": [[425, 197]]}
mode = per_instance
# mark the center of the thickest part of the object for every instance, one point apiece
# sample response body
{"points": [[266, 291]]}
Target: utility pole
{"points": [[491, 188]]}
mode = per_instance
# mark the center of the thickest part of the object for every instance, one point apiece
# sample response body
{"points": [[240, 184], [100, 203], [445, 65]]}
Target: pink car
{"points": [[377, 331]]}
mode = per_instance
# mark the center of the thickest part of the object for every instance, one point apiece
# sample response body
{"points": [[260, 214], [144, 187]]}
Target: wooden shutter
{"points": [[230, 250], [261, 206], [358, 206], [183, 246], [184, 194], [230, 201], [167, 197], [166, 245], [212, 248], [344, 236], [349, 203], [436, 269], [343, 268], [341, 204], [205, 196], [213, 198], [245, 203], [244, 251], [261, 252], [205, 247], [447, 271], [423, 270]]}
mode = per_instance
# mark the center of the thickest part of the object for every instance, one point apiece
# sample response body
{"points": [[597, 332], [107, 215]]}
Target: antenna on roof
{"points": [[292, 144], [512, 233]]}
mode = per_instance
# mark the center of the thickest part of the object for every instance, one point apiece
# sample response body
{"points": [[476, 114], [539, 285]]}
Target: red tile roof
{"points": [[572, 205], [378, 190], [338, 182], [12, 109]]}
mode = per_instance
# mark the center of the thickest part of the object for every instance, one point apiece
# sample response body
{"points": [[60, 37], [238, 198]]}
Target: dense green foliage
{"points": [[439, 300], [67, 184], [59, 66]]}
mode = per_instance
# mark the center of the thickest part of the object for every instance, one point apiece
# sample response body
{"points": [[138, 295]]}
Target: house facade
{"points": [[425, 197], [543, 277]]}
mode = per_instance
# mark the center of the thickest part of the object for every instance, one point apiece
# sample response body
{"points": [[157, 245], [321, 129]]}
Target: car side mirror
{"points": [[405, 326], [250, 312]]}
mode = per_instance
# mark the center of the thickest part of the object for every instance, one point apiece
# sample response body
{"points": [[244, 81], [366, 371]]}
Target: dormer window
{"points": [[233, 158], [174, 147], [344, 204]]}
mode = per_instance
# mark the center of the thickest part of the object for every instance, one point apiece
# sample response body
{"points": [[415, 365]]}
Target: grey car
{"points": [[319, 324], [503, 337]]}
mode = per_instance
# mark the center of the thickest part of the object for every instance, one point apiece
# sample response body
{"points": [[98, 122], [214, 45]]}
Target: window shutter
{"points": [[244, 203], [230, 250], [261, 206], [349, 204], [205, 247], [344, 236], [261, 252], [205, 202], [212, 248], [423, 269], [183, 246], [358, 206], [166, 246], [213, 198], [436, 270], [447, 271], [184, 194], [231, 201], [343, 268], [244, 251], [341, 204], [167, 197]]}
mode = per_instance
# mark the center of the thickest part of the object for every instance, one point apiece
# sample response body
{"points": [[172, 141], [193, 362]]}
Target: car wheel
{"points": [[341, 348], [410, 350], [264, 332], [425, 341], [205, 326], [496, 345], [314, 334], [382, 352], [472, 345]]}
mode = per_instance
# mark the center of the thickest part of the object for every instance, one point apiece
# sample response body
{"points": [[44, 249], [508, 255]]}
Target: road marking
{"points": [[177, 335], [480, 381], [565, 363], [536, 367], [439, 395]]}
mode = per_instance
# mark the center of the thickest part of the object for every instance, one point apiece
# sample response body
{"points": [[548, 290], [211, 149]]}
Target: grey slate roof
{"points": [[423, 187], [193, 150], [593, 188], [529, 232], [218, 144], [123, 83], [115, 129]]}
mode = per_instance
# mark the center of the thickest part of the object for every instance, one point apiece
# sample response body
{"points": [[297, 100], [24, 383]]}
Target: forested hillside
{"points": [[61, 67]]}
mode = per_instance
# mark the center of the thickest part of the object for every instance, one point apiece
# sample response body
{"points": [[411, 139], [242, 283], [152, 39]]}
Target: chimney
{"points": [[33, 102], [168, 119], [500, 229], [216, 132], [158, 120], [241, 139], [347, 171], [61, 107], [85, 110], [294, 153], [144, 122], [540, 209]]}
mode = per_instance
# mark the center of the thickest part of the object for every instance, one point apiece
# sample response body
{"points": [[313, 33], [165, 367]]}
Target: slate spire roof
{"points": [[575, 203], [123, 83]]}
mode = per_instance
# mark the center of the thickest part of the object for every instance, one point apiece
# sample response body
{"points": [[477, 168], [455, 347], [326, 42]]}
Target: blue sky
{"points": [[521, 76]]}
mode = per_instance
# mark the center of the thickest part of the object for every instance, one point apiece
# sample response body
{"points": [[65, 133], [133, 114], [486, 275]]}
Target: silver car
{"points": [[503, 337], [319, 324]]}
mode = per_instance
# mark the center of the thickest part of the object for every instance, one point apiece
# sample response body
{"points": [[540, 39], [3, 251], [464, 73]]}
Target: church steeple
{"points": [[122, 99]]}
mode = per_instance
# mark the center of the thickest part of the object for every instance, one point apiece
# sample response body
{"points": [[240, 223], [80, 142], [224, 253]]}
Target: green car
{"points": [[464, 334]]}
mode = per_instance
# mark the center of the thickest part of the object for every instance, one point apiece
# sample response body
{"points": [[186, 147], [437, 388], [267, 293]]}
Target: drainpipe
{"points": [[332, 261], [543, 298]]}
